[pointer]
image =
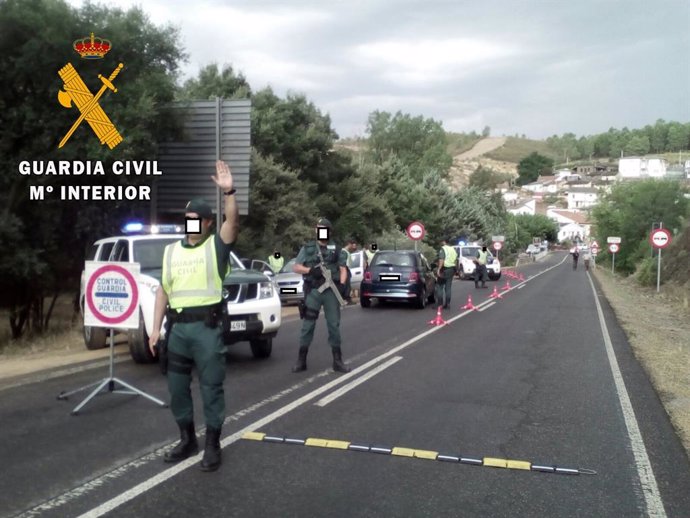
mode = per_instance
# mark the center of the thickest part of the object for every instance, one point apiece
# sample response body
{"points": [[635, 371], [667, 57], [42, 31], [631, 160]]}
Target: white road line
{"points": [[487, 306], [650, 489], [347, 388], [521, 286]]}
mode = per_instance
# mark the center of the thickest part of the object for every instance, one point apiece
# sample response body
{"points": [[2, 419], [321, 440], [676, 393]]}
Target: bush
{"points": [[646, 272]]}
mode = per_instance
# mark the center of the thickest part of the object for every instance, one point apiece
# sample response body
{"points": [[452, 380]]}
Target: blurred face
{"points": [[196, 226], [323, 233]]}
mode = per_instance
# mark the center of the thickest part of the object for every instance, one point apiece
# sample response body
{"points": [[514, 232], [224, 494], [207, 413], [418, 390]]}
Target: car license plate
{"points": [[238, 325]]}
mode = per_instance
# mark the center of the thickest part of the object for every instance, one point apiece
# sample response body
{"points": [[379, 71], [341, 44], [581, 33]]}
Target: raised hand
{"points": [[223, 176]]}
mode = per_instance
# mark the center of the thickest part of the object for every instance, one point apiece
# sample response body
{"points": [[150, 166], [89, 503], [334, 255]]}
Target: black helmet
{"points": [[323, 222]]}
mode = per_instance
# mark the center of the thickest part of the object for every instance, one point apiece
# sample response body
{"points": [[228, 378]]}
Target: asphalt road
{"points": [[544, 375]]}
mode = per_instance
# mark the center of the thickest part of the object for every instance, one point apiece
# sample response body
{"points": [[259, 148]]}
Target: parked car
{"points": [[290, 284], [398, 275], [251, 309], [466, 266]]}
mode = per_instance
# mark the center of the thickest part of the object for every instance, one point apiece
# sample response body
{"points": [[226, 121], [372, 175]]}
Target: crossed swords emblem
{"points": [[75, 91]]}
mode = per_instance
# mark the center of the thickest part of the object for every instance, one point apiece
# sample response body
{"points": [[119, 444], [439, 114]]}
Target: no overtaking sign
{"points": [[111, 295]]}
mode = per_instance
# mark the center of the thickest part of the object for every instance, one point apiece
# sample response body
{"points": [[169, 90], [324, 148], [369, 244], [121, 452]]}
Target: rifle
{"points": [[329, 280]]}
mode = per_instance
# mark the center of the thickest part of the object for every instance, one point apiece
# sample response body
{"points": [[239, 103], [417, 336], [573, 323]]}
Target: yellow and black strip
{"points": [[492, 462]]}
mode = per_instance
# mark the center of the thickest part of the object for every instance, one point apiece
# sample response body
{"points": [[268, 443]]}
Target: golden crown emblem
{"points": [[92, 48]]}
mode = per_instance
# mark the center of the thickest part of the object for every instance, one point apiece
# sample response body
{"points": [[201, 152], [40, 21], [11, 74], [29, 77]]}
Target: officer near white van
{"points": [[191, 285], [447, 264]]}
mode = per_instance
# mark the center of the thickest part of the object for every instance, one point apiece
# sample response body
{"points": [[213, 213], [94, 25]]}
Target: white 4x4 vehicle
{"points": [[251, 305], [466, 266]]}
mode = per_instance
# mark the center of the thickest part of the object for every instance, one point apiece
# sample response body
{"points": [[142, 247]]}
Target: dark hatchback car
{"points": [[398, 275]]}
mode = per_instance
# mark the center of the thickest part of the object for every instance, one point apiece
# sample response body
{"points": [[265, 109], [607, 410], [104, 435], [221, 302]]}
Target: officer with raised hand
{"points": [[322, 250], [191, 285]]}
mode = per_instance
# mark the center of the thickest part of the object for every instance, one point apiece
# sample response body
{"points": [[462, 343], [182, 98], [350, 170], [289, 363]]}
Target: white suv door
{"points": [[356, 265]]}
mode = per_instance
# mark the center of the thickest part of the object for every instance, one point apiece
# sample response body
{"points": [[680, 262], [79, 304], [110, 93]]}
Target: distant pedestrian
{"points": [[369, 251], [576, 255], [587, 257]]}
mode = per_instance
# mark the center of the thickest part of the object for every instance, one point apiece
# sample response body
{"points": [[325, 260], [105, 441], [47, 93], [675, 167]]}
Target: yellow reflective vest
{"points": [[482, 257], [276, 264], [190, 275], [451, 256]]}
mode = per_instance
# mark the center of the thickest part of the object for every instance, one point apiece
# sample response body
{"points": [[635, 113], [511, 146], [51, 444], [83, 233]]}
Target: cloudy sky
{"points": [[537, 67]]}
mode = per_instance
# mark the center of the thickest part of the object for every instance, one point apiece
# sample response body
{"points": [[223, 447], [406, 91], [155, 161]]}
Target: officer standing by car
{"points": [[480, 272], [276, 261], [321, 251], [447, 262], [191, 285]]}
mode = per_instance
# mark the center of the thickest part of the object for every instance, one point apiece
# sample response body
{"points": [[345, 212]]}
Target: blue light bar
{"points": [[133, 226]]}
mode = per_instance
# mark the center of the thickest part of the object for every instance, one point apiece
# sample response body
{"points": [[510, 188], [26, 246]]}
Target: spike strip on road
{"points": [[492, 462]]}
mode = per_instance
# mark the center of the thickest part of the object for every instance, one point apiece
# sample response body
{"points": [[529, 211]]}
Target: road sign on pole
{"points": [[660, 238], [614, 248], [613, 239]]}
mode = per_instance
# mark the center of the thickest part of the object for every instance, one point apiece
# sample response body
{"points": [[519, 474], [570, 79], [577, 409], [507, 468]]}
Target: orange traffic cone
{"points": [[469, 304], [509, 273], [495, 294], [507, 286], [438, 320], [522, 277]]}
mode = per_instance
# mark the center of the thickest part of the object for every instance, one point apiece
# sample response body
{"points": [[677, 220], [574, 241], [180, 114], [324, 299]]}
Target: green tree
{"points": [[487, 179], [486, 132], [532, 166], [678, 135], [35, 42], [638, 145], [212, 83], [629, 212], [419, 143]]}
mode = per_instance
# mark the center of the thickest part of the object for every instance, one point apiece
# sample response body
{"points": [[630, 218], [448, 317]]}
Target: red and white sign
{"points": [[660, 238], [498, 245], [614, 248], [111, 295], [415, 230], [595, 248]]}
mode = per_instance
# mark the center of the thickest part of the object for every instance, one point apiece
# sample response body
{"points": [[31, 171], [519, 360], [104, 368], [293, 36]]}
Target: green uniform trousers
{"points": [[331, 309], [194, 343], [443, 290]]}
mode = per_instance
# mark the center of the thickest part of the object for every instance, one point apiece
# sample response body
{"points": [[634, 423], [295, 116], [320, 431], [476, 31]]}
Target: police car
{"points": [[251, 308], [466, 266]]}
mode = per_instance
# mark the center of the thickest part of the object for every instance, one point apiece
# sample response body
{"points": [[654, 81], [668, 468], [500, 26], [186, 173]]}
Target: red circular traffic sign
{"points": [[613, 248], [497, 245], [415, 230], [660, 238], [133, 288]]}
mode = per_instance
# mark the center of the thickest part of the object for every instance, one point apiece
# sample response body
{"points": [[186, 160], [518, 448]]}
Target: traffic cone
{"points": [[438, 320], [522, 277], [509, 273], [495, 294], [507, 286], [469, 304]]}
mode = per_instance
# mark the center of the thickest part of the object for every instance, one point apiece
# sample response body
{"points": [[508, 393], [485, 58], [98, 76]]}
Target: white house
{"points": [[528, 207], [582, 197], [571, 224], [640, 167]]}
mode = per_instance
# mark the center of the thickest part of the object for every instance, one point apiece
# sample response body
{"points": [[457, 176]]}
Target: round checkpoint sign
{"points": [[497, 245], [613, 248], [660, 238], [112, 294], [415, 230]]}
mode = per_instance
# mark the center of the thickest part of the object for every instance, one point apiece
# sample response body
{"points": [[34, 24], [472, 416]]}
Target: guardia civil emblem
{"points": [[76, 94]]}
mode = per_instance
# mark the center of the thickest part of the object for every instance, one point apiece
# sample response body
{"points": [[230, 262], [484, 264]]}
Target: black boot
{"points": [[186, 447], [338, 365], [211, 458], [301, 364]]}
